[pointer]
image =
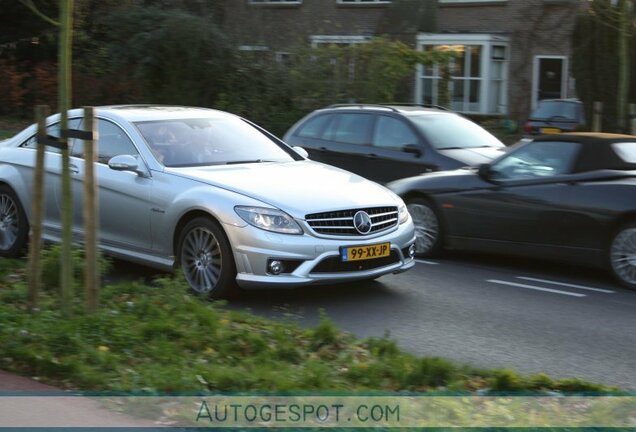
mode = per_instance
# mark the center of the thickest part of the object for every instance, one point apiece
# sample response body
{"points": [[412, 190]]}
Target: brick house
{"points": [[509, 53]]}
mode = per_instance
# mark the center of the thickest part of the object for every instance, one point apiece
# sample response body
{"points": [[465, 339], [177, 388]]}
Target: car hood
{"points": [[298, 188], [439, 182], [473, 156]]}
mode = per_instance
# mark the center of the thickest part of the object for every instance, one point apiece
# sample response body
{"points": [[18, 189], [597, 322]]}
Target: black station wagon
{"points": [[387, 142]]}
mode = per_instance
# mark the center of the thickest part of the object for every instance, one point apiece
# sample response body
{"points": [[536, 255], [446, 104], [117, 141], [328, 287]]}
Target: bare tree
{"points": [[619, 15], [64, 101]]}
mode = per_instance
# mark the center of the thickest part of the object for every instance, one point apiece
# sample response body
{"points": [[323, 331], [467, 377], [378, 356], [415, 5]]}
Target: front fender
{"points": [[216, 202]]}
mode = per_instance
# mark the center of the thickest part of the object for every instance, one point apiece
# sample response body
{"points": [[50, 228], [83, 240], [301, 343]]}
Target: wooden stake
{"points": [[597, 117], [37, 211], [91, 273]]}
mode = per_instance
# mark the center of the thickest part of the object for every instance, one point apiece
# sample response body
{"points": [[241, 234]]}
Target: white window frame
{"points": [[487, 42], [363, 2], [258, 48], [275, 2], [317, 40], [565, 68], [454, 2]]}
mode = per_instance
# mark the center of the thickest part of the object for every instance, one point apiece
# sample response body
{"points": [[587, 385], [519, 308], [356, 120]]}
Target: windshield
{"points": [[450, 131], [209, 141], [555, 109]]}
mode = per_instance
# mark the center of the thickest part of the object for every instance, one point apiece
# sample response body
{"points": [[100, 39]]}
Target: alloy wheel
{"points": [[623, 256], [9, 222], [426, 227], [201, 259]]}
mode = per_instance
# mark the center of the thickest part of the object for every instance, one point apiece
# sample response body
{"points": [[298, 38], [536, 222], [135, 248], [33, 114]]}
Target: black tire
{"points": [[428, 227], [622, 255], [206, 259], [14, 227]]}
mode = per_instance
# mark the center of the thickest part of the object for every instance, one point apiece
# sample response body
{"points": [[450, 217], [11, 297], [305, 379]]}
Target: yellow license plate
{"points": [[549, 131], [359, 253]]}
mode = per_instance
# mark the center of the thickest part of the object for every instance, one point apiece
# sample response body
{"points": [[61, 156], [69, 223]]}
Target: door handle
{"points": [[322, 149], [74, 169], [372, 156]]}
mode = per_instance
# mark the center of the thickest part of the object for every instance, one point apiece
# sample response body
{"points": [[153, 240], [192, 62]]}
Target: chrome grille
{"points": [[340, 222]]}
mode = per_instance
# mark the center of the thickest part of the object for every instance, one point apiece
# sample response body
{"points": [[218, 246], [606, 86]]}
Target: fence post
{"points": [[597, 117], [91, 273], [632, 119], [37, 208]]}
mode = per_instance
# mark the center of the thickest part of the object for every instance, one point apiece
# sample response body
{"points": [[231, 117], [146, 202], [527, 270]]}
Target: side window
{"points": [[626, 151], [112, 142], [537, 159], [54, 131], [313, 127], [350, 129], [392, 133]]}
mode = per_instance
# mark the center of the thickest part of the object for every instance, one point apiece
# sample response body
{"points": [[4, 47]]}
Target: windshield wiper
{"points": [[248, 161]]}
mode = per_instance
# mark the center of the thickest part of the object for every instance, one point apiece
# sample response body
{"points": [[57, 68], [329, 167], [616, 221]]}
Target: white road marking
{"points": [[581, 287], [532, 287], [426, 262]]}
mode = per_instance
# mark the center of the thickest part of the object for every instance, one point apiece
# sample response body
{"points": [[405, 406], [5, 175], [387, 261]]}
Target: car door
{"points": [[345, 142], [52, 222], [526, 198], [396, 152], [340, 139], [124, 196]]}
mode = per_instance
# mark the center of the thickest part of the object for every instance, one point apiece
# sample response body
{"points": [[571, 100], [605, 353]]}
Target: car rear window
{"points": [[626, 151], [553, 110]]}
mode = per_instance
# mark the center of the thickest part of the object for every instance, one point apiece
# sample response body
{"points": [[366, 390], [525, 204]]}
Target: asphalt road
{"points": [[488, 312], [492, 311]]}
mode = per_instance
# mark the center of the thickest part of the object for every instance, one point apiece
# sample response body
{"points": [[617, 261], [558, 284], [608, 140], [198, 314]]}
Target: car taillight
{"points": [[527, 128]]}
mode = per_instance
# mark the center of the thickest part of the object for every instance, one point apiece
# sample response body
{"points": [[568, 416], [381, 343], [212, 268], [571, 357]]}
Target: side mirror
{"points": [[484, 171], [413, 149], [301, 151], [126, 163]]}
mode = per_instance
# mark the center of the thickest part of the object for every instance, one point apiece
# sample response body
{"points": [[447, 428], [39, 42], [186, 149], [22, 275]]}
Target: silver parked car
{"points": [[216, 195]]}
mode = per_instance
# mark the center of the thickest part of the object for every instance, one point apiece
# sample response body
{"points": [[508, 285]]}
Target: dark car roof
{"points": [[561, 100], [597, 151]]}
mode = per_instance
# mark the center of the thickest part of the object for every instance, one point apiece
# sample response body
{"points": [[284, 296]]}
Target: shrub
{"points": [[430, 372], [507, 380]]}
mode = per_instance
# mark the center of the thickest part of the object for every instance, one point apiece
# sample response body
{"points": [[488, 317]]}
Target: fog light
{"points": [[412, 250], [275, 267]]}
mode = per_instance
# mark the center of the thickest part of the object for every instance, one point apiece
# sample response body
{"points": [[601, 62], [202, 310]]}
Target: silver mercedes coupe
{"points": [[214, 194]]}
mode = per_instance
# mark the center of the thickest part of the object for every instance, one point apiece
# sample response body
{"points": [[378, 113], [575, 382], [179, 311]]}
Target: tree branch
{"points": [[29, 4]]}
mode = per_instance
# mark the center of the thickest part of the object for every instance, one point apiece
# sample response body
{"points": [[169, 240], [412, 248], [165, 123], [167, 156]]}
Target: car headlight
{"points": [[269, 219], [403, 213]]}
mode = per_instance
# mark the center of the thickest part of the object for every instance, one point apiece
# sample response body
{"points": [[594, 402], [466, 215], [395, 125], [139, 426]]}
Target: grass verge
{"points": [[157, 337]]}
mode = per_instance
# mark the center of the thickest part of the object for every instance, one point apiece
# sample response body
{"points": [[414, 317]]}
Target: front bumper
{"points": [[316, 258]]}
